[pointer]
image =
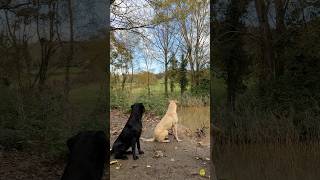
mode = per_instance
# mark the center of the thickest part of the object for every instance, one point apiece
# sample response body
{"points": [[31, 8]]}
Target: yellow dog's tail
{"points": [[147, 140]]}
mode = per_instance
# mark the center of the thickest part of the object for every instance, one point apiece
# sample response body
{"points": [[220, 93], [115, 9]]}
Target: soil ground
{"points": [[15, 165]]}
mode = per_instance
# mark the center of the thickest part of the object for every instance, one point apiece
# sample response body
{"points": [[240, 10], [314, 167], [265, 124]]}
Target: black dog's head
{"points": [[138, 107], [88, 153], [88, 139]]}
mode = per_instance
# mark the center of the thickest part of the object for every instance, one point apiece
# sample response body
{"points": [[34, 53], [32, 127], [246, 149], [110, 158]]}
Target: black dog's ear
{"points": [[132, 106], [71, 141]]}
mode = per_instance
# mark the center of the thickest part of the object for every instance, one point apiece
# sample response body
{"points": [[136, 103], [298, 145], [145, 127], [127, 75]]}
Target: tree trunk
{"points": [[149, 93], [267, 65], [280, 28], [192, 83], [71, 51], [68, 64], [46, 47], [131, 82], [124, 79], [231, 95], [166, 74], [171, 86]]}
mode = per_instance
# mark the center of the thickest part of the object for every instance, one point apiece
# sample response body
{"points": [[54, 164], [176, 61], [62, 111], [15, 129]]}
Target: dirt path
{"points": [[181, 160], [16, 165]]}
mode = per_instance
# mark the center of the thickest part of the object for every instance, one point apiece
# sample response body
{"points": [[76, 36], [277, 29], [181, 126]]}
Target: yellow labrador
{"points": [[169, 121]]}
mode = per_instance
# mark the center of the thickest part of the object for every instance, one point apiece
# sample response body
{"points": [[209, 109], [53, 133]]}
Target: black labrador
{"points": [[88, 154], [130, 135]]}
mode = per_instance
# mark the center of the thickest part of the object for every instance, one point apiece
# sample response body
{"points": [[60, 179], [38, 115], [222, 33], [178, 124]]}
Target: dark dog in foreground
{"points": [[130, 135], [88, 154]]}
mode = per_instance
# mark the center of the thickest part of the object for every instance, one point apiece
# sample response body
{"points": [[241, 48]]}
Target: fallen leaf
{"points": [[114, 162], [114, 132], [202, 172], [158, 154]]}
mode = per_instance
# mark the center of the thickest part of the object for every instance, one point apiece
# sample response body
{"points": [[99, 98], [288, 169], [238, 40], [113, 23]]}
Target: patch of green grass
{"points": [[86, 95]]}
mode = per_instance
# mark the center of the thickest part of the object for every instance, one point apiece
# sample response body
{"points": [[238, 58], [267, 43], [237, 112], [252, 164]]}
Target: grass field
{"points": [[267, 161]]}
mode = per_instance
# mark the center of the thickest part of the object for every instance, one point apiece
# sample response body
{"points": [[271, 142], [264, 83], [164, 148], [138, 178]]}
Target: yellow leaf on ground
{"points": [[202, 172], [113, 162]]}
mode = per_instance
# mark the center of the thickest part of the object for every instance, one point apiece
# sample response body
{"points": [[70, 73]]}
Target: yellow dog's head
{"points": [[173, 101]]}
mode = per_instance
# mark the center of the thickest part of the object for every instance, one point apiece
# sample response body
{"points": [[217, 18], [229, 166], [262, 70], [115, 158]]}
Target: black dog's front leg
{"points": [[133, 146], [138, 145]]}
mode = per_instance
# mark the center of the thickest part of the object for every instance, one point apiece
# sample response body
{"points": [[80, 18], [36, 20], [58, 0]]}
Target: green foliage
{"points": [[203, 88], [299, 86]]}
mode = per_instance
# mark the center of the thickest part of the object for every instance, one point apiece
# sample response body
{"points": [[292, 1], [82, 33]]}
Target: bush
{"points": [[157, 104], [187, 99], [31, 119]]}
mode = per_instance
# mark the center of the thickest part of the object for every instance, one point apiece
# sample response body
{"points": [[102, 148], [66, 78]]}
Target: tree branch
{"points": [[130, 28], [6, 5]]}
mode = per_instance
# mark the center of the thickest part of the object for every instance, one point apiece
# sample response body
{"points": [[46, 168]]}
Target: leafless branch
{"points": [[131, 28]]}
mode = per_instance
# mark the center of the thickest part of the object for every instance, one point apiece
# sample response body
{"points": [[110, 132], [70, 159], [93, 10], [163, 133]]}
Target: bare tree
{"points": [[148, 59], [165, 38], [48, 39], [71, 50], [194, 25], [123, 50]]}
